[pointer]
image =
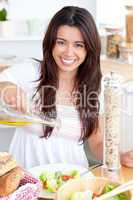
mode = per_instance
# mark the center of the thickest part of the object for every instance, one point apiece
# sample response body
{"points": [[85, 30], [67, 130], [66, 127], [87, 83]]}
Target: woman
{"points": [[67, 86]]}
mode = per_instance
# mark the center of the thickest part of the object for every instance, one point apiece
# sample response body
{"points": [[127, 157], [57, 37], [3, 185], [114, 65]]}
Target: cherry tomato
{"points": [[66, 177]]}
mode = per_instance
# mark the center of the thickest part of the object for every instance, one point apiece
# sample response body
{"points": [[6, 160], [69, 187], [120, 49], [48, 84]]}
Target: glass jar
{"points": [[112, 107], [114, 38], [126, 52], [129, 23]]}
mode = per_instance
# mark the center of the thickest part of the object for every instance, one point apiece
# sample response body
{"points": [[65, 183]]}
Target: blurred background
{"points": [[22, 27]]}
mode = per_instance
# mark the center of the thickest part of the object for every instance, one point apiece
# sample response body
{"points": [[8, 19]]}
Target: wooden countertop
{"points": [[126, 173], [126, 70]]}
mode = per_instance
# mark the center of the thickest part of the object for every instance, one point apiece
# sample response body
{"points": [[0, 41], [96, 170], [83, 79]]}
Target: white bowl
{"points": [[95, 184]]}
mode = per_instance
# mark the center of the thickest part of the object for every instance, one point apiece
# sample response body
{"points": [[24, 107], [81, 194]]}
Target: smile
{"points": [[68, 61]]}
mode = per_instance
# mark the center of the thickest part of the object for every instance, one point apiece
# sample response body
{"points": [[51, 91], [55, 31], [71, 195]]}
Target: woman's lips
{"points": [[67, 61]]}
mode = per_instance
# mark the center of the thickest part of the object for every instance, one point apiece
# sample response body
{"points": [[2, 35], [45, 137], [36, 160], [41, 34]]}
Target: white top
{"points": [[62, 146]]}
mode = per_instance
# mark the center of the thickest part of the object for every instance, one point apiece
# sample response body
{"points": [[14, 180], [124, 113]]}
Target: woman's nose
{"points": [[69, 50]]}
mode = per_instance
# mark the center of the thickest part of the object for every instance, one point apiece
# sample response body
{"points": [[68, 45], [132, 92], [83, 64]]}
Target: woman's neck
{"points": [[66, 87], [66, 81]]}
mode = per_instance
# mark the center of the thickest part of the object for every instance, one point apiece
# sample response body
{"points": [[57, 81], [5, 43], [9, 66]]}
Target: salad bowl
{"points": [[88, 188], [52, 176]]}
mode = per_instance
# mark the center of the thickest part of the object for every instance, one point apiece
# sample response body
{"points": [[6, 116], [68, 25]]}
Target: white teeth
{"points": [[68, 61]]}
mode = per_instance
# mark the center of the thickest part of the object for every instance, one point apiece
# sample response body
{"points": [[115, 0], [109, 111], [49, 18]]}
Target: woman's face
{"points": [[69, 51]]}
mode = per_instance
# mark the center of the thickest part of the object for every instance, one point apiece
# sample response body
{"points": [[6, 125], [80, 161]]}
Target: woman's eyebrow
{"points": [[80, 41], [59, 38]]}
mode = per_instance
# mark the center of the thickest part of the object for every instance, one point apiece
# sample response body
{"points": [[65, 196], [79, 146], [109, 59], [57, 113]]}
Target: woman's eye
{"points": [[79, 45], [60, 42]]}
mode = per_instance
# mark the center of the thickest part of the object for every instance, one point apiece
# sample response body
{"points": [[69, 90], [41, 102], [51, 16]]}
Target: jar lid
{"points": [[113, 29], [129, 7], [113, 79]]}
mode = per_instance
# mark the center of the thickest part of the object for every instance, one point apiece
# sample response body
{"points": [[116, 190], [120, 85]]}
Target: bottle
{"points": [[129, 23], [112, 114], [126, 52], [11, 117]]}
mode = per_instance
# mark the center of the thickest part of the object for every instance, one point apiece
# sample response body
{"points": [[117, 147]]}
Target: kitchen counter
{"points": [[126, 173], [126, 70]]}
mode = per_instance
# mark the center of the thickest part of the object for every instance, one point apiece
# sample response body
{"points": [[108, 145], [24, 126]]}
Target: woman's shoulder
{"points": [[27, 64], [23, 73], [28, 68], [29, 71], [23, 67]]}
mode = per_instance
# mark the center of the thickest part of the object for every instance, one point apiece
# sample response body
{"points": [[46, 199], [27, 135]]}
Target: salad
{"points": [[89, 195], [53, 180]]}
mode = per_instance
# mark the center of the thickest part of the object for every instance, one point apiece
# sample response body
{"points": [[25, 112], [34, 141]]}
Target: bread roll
{"points": [[9, 182], [6, 163]]}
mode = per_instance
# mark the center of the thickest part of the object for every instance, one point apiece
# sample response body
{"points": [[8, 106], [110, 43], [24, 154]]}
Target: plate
{"points": [[36, 171]]}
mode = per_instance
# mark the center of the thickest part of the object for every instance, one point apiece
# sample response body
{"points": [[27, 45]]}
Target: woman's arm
{"points": [[96, 146], [127, 159], [96, 142]]}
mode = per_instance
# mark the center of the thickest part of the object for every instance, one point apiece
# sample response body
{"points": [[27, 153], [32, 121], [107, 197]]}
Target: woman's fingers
{"points": [[14, 97], [127, 159], [21, 101]]}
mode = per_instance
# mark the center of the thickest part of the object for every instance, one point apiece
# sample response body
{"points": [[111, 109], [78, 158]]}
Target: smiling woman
{"points": [[70, 67]]}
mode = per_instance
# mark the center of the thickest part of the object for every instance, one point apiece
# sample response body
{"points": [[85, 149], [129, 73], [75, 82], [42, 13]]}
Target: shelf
{"points": [[21, 38], [126, 70]]}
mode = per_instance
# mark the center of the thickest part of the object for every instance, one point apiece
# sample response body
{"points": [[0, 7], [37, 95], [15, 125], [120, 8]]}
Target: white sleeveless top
{"points": [[62, 146]]}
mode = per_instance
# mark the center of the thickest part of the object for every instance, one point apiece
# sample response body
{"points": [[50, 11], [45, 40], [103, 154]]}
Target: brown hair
{"points": [[88, 75]]}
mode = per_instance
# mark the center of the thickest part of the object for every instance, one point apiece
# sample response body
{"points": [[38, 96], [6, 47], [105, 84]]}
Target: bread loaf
{"points": [[10, 174], [10, 181], [6, 163]]}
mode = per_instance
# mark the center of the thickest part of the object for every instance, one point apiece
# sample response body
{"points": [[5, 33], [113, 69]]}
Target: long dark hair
{"points": [[88, 77]]}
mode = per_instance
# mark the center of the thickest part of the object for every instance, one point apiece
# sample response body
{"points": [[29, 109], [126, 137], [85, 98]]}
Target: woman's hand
{"points": [[13, 96], [127, 159]]}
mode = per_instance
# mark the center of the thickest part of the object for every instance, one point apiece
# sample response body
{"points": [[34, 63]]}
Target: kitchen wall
{"points": [[24, 9], [21, 39]]}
